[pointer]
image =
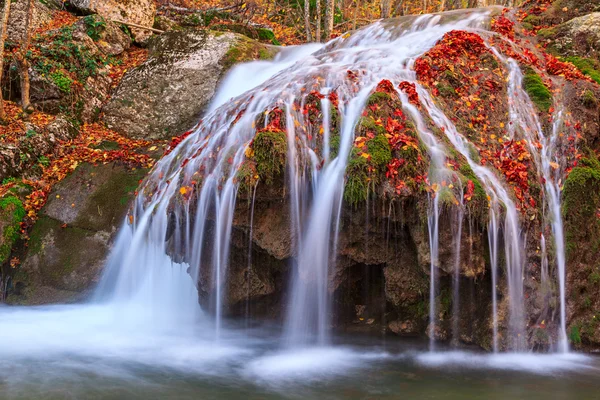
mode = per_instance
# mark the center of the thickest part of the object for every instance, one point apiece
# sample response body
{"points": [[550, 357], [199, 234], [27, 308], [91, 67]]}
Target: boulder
{"points": [[108, 40], [18, 15], [18, 158], [167, 94], [139, 12], [577, 37], [70, 242]]}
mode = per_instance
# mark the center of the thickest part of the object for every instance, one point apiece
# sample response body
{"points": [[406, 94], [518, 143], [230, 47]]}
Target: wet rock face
{"points": [[71, 240], [140, 12], [379, 282], [167, 94]]}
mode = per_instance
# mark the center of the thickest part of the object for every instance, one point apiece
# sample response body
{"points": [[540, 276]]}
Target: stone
{"points": [[18, 15], [139, 12], [70, 242], [168, 93]]}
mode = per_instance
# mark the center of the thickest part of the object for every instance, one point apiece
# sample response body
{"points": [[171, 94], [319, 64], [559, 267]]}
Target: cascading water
{"points": [[197, 181], [175, 244], [524, 121]]}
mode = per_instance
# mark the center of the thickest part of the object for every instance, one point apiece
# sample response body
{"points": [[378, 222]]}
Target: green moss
{"points": [[380, 151], [537, 91], [447, 197], [589, 99], [368, 124], [547, 33], [270, 150], [267, 35], [245, 50], [532, 19], [62, 81], [11, 209], [378, 98], [246, 176], [586, 66], [446, 90], [594, 277], [357, 179], [580, 190], [574, 335]]}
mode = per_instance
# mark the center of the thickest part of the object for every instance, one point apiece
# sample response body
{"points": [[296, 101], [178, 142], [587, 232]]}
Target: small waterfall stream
{"points": [[174, 246]]}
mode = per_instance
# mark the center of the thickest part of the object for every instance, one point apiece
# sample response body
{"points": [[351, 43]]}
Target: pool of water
{"points": [[79, 352]]}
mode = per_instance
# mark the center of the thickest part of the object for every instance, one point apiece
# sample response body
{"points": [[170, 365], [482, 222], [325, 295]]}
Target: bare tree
{"points": [[329, 9], [22, 58], [307, 20], [385, 8], [318, 28], [3, 31]]}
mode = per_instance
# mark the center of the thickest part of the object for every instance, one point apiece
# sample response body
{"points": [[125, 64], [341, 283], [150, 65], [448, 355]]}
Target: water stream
{"points": [[145, 330]]}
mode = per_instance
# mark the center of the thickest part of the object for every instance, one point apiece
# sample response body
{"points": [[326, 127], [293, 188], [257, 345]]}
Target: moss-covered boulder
{"points": [[167, 94], [581, 209], [70, 242], [12, 213]]}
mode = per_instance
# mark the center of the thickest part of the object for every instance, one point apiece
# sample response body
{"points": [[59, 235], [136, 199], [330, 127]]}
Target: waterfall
{"points": [[174, 246], [524, 121]]}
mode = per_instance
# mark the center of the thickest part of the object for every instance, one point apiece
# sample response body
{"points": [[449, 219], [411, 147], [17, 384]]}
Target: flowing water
{"points": [[146, 335]]}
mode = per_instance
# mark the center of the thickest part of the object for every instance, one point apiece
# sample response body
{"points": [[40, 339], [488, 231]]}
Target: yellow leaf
{"points": [[152, 148], [365, 155], [554, 165], [501, 124], [183, 190]]}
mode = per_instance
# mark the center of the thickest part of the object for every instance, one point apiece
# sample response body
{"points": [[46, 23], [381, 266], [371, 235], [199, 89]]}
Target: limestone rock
{"points": [[167, 94], [140, 12], [70, 241], [577, 37], [18, 15]]}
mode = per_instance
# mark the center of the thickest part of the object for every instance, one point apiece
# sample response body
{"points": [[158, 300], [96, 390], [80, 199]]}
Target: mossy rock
{"points": [[245, 49], [69, 243], [587, 66], [539, 94], [270, 152], [12, 213]]}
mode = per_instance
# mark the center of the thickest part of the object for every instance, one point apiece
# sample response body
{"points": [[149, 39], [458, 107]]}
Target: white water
{"points": [[147, 308]]}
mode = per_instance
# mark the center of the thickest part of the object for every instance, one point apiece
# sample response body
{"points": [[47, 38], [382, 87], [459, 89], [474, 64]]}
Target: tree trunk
{"points": [[385, 8], [4, 29], [25, 100], [318, 28], [307, 20], [329, 9]]}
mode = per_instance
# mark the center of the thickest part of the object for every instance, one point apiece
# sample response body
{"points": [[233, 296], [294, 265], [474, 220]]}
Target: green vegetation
{"points": [[380, 151], [546, 33], [94, 26], [574, 335], [589, 99], [357, 179], [581, 199], [446, 91], [378, 98], [537, 91], [62, 81], [587, 66], [270, 151], [368, 124], [267, 35], [12, 210]]}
